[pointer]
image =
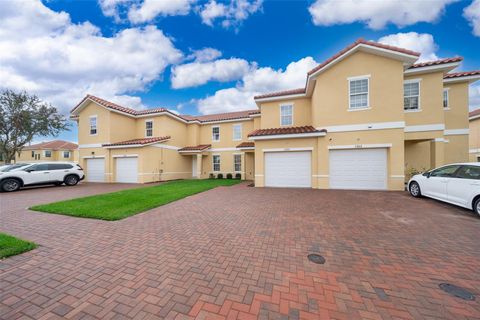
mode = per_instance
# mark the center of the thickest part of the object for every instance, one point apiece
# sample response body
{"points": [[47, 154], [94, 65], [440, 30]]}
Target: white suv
{"points": [[55, 173], [457, 183]]}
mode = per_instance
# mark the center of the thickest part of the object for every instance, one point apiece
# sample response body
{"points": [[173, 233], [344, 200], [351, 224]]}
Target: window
{"points": [[286, 115], [33, 154], [237, 131], [358, 90], [66, 154], [216, 162], [445, 99], [445, 172], [38, 167], [149, 128], [469, 172], [93, 125], [411, 95], [237, 162], [215, 133], [59, 166], [48, 154]]}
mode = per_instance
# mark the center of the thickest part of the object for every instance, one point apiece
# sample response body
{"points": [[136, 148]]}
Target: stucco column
{"points": [[242, 165], [199, 165], [437, 152]]}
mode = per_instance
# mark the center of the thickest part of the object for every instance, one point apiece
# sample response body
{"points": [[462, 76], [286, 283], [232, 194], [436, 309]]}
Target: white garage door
{"points": [[127, 170], [358, 169], [95, 170], [288, 169]]}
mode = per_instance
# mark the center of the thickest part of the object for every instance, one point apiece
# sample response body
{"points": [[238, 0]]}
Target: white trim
{"points": [[453, 132], [164, 146], [425, 127], [246, 148], [90, 125], [462, 79], [212, 127], [448, 98], [360, 146], [288, 149], [259, 175], [366, 126], [320, 175], [256, 115], [276, 98], [419, 105], [233, 131], [222, 149], [474, 117], [397, 176], [162, 173], [125, 156], [286, 104], [93, 157], [439, 67], [92, 145], [474, 150], [223, 121], [412, 80], [289, 136], [357, 78], [359, 109], [440, 140], [413, 110]]}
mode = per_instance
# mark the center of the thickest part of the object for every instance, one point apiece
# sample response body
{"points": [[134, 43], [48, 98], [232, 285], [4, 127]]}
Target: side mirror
{"points": [[426, 174]]}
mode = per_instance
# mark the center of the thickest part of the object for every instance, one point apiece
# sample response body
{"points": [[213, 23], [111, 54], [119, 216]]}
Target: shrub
{"points": [[238, 176], [211, 176], [219, 176], [229, 176]]}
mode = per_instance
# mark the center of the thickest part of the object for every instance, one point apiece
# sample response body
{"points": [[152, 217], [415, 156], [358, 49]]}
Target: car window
{"points": [[39, 167], [59, 166], [469, 172], [14, 167], [445, 172]]}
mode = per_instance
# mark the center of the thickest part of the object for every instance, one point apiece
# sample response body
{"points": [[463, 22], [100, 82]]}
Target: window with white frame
{"points": [[215, 133], [237, 162], [149, 128], [286, 115], [237, 131], [445, 99], [411, 95], [48, 154], [216, 162], [66, 154], [358, 90], [33, 154], [93, 125]]}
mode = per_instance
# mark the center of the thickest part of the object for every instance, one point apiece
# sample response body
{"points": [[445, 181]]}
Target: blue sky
{"points": [[205, 56]]}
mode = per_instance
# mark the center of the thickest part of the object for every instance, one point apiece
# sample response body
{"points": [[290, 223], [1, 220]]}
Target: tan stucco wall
{"points": [[270, 112], [103, 125], [456, 115], [417, 157], [456, 149], [57, 155], [226, 134]]}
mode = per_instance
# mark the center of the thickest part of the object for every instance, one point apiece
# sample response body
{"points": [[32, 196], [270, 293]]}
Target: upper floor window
{"points": [[66, 154], [216, 162], [33, 154], [237, 131], [286, 115], [445, 98], [215, 133], [358, 90], [93, 125], [411, 95], [48, 154], [149, 128]]}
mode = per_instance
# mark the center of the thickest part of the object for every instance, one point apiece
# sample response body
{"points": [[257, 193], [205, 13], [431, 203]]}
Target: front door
{"points": [[436, 184]]}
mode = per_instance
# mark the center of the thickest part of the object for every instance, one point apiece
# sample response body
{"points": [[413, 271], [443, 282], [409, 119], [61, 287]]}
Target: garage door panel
{"points": [[288, 169], [358, 169], [95, 170], [127, 170]]}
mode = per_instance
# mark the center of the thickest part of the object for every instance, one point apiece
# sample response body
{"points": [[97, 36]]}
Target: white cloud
{"points": [[376, 14], [472, 14], [150, 9], [257, 81], [419, 42], [205, 54], [229, 15], [110, 8], [43, 52], [198, 73]]}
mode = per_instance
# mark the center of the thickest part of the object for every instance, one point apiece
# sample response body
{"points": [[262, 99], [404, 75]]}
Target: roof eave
{"points": [[288, 136], [446, 67], [284, 97], [469, 79]]}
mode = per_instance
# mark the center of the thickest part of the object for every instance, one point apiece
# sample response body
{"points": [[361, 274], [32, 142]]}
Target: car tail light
{"points": [[79, 167]]}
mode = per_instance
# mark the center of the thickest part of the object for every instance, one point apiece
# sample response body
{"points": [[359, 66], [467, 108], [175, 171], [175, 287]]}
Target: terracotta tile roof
{"points": [[365, 42], [281, 93], [142, 141], [246, 145], [53, 145], [286, 130], [474, 113], [461, 74], [199, 147], [436, 62], [222, 116]]}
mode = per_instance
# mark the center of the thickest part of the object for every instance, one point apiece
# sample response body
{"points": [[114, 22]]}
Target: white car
{"points": [[457, 183], [57, 173]]}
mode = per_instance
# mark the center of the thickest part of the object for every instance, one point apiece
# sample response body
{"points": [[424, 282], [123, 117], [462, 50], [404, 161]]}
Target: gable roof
{"points": [[475, 114], [197, 148], [436, 62], [158, 111], [470, 76], [52, 145]]}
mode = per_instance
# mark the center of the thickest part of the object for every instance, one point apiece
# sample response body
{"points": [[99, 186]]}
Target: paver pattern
{"points": [[240, 253]]}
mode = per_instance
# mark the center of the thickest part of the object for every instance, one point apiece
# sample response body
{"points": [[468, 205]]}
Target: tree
{"points": [[24, 116]]}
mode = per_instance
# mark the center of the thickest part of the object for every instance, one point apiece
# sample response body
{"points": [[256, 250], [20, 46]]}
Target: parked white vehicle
{"points": [[457, 183], [42, 173]]}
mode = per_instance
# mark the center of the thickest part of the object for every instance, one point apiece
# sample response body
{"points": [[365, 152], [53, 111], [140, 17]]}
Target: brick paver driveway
{"points": [[240, 252]]}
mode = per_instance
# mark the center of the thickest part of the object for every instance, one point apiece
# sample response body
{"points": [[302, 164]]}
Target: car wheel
{"points": [[10, 185], [71, 180], [476, 206], [414, 189]]}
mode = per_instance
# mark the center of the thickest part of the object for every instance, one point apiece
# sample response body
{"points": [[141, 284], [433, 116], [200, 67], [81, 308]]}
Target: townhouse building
{"points": [[365, 119], [55, 150]]}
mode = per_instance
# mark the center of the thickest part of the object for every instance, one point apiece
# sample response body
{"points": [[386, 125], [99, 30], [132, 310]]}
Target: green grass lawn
{"points": [[125, 203], [10, 246]]}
